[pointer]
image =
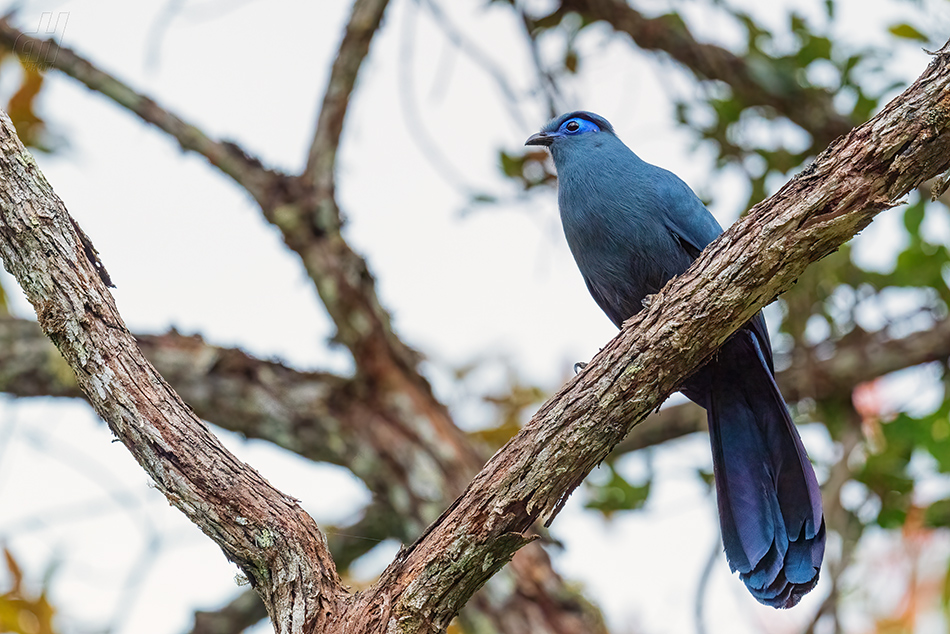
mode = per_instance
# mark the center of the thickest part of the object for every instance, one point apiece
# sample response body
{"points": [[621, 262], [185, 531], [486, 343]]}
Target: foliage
{"points": [[616, 493], [20, 611], [23, 103]]}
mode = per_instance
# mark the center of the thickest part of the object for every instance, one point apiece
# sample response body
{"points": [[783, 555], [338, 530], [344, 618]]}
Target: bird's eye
{"points": [[573, 126]]}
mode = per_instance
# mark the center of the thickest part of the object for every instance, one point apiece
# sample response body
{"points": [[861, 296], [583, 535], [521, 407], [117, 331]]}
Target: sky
{"points": [[188, 249]]}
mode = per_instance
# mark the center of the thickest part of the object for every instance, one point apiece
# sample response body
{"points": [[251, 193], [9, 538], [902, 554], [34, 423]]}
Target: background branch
{"points": [[810, 108]]}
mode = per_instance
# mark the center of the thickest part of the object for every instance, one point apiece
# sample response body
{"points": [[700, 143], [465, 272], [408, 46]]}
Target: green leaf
{"points": [[907, 32], [938, 513], [511, 165], [617, 495]]}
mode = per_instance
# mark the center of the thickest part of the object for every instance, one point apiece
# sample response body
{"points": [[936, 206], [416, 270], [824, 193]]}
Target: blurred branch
{"points": [[858, 358], [308, 217], [246, 170], [703, 587], [364, 21], [238, 615], [377, 524], [309, 220], [811, 108], [440, 162], [244, 611], [840, 520], [479, 57], [318, 415], [547, 82]]}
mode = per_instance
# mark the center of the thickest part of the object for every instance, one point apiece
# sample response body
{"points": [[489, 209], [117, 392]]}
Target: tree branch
{"points": [[859, 357], [241, 613], [747, 267], [309, 221], [276, 544], [364, 21], [308, 216], [811, 108], [245, 170], [316, 414]]}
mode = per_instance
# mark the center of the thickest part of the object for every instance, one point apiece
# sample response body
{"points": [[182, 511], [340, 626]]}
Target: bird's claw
{"points": [[580, 365], [647, 301]]}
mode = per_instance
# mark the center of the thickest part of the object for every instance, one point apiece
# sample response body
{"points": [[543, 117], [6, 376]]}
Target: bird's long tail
{"points": [[769, 502]]}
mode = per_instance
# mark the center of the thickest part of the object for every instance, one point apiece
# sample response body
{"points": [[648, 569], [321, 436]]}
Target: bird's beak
{"points": [[541, 138]]}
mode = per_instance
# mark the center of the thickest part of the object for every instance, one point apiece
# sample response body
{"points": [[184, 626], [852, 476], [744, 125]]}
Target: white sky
{"points": [[188, 249]]}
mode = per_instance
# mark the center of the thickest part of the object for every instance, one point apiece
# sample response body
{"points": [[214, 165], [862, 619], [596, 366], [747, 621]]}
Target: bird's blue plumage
{"points": [[632, 226]]}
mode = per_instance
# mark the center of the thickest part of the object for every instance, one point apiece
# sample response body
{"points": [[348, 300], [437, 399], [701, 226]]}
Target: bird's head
{"points": [[571, 128]]}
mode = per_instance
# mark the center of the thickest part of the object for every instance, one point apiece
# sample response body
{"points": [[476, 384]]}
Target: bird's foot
{"points": [[580, 365], [647, 301]]}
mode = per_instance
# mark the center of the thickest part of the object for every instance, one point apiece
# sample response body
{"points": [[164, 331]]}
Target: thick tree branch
{"points": [[811, 108], [265, 532], [747, 267]]}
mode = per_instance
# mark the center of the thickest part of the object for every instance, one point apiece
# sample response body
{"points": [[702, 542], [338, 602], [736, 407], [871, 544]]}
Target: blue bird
{"points": [[632, 226]]}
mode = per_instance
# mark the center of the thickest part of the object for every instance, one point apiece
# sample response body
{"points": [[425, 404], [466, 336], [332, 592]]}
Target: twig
{"points": [[481, 58], [246, 170], [703, 585], [409, 109], [364, 21]]}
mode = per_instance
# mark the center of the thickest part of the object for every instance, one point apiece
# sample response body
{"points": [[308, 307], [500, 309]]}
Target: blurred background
{"points": [[456, 224]]}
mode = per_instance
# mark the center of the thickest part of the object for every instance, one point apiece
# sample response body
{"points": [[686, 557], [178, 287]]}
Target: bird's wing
{"points": [[694, 227], [684, 213], [609, 303]]}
